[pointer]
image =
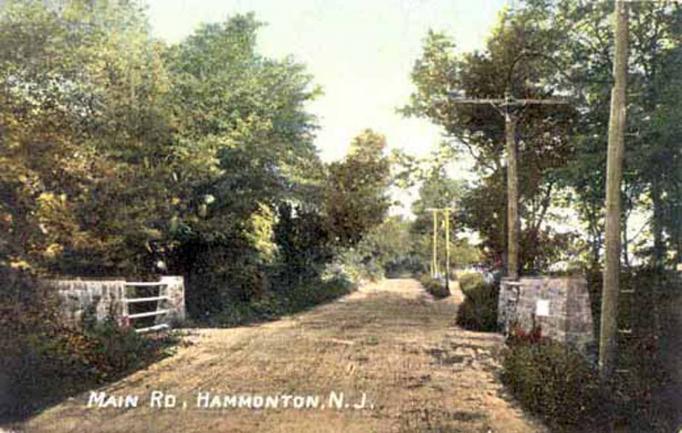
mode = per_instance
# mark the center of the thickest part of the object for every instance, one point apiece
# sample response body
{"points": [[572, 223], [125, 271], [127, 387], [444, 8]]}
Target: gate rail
{"points": [[161, 299]]}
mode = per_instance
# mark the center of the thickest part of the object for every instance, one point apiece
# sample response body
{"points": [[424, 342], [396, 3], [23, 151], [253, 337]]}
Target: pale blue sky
{"points": [[360, 53]]}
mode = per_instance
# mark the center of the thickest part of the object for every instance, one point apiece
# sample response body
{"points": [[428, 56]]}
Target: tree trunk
{"points": [[512, 199], [614, 174]]}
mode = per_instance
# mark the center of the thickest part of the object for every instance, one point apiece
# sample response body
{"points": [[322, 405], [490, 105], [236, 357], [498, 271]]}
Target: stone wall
{"points": [[84, 300], [559, 305], [97, 300]]}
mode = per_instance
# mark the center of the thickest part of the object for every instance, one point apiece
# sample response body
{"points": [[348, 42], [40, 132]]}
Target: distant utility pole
{"points": [[614, 174], [434, 259], [446, 225], [446, 215], [509, 107]]}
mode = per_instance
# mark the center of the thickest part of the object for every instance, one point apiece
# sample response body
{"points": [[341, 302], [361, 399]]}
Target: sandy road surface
{"points": [[390, 341]]}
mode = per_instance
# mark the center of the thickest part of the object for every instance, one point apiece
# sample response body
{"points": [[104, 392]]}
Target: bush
{"points": [[290, 301], [470, 280], [478, 312], [551, 380], [650, 390], [434, 286], [42, 360], [357, 265]]}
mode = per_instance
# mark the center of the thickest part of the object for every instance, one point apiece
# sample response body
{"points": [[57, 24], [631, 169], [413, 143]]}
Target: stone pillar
{"points": [[175, 289], [565, 301]]}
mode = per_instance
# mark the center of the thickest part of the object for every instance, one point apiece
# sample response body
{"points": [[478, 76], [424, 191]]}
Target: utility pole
{"points": [[446, 213], [434, 259], [509, 107], [446, 226], [614, 174], [513, 222]]}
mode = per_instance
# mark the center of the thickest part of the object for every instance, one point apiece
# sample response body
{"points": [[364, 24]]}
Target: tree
{"points": [[386, 249], [651, 161], [81, 134], [541, 131], [438, 190], [576, 42], [242, 135], [355, 192], [244, 159], [121, 151]]}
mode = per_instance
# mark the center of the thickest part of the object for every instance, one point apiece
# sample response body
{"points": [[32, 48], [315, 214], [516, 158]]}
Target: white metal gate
{"points": [[161, 306]]}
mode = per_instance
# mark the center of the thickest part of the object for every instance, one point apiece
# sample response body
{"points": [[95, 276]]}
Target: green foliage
{"points": [[652, 312], [356, 264], [469, 281], [651, 164], [479, 129], [384, 251], [122, 152], [559, 384], [478, 312], [200, 140], [43, 360], [434, 286], [245, 156], [540, 49], [242, 134], [355, 193], [82, 134], [274, 305], [438, 190], [304, 243]]}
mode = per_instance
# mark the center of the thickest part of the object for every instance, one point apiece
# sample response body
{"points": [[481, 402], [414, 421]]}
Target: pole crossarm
{"points": [[440, 209], [509, 102]]}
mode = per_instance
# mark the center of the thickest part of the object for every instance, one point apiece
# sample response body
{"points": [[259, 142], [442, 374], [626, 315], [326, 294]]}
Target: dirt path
{"points": [[390, 341]]}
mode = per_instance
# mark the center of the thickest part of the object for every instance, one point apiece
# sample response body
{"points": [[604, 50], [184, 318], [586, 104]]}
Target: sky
{"points": [[360, 52]]}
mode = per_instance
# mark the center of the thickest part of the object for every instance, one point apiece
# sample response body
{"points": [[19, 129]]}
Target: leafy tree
{"points": [[81, 135], [567, 52], [438, 190], [355, 192], [440, 75], [304, 243], [387, 249], [243, 158], [651, 160]]}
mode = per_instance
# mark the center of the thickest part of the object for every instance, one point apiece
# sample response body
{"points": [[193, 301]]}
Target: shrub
{"points": [[42, 360], [470, 280], [478, 312], [650, 391], [434, 286], [276, 304], [358, 265], [554, 381]]}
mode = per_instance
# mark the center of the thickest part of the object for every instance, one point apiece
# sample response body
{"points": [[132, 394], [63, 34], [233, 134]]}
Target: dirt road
{"points": [[390, 341]]}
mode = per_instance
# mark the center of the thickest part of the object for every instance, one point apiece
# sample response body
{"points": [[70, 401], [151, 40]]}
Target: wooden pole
{"points": [[447, 247], [512, 197], [435, 244], [506, 107], [614, 174]]}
